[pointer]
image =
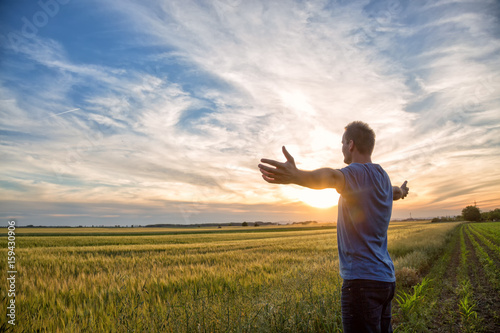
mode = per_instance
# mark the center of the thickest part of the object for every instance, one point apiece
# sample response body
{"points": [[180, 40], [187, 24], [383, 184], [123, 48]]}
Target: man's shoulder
{"points": [[357, 167], [365, 172]]}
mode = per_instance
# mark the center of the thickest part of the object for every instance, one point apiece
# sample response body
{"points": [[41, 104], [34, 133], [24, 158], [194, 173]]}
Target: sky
{"points": [[142, 112]]}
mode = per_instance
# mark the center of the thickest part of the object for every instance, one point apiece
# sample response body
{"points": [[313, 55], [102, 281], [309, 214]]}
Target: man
{"points": [[364, 212]]}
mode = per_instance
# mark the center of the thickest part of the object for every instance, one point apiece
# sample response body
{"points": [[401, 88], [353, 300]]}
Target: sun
{"points": [[319, 198]]}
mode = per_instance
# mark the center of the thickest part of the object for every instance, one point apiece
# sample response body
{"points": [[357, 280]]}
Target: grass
{"points": [[269, 279]]}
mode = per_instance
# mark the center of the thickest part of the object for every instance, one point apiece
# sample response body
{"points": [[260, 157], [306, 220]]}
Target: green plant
{"points": [[468, 314], [412, 307], [467, 308]]}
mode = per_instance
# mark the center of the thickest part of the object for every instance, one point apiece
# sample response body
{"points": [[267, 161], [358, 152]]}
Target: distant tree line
{"points": [[492, 215], [447, 219], [472, 213]]}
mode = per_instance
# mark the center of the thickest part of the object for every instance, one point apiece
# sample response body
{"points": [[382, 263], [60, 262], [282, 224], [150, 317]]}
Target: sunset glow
{"points": [[320, 198], [133, 112]]}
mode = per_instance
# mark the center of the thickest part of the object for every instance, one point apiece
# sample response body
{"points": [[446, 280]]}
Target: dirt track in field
{"points": [[446, 320]]}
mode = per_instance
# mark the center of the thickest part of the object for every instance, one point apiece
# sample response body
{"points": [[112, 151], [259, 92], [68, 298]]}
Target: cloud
{"points": [[174, 212], [219, 85]]}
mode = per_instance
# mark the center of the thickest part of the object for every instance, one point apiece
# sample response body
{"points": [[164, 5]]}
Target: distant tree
{"points": [[471, 213], [492, 215], [495, 215], [244, 224], [485, 216]]}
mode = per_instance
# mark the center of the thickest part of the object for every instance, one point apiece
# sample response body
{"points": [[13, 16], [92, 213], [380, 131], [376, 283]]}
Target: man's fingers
{"points": [[269, 170], [275, 179], [289, 157], [277, 172], [404, 189], [264, 172], [267, 173], [272, 176], [271, 162], [269, 180]]}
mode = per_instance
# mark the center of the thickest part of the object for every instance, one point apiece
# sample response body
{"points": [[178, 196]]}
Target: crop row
{"points": [[487, 236], [464, 277], [490, 267]]}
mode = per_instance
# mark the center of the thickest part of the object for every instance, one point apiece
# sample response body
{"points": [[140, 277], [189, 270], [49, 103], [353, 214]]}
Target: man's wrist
{"points": [[298, 177]]}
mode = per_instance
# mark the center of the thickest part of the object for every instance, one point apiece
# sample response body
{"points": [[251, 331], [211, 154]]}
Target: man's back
{"points": [[365, 208]]}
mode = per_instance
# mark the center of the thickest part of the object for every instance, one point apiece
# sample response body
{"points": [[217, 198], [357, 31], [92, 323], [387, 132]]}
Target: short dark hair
{"points": [[362, 136]]}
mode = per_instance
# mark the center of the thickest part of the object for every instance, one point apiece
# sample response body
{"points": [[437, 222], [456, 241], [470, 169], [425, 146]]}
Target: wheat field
{"points": [[234, 279]]}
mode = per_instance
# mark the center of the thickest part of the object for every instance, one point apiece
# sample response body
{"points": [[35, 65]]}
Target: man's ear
{"points": [[351, 145]]}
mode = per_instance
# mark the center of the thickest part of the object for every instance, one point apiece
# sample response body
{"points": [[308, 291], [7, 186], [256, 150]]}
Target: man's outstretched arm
{"points": [[288, 173], [400, 192]]}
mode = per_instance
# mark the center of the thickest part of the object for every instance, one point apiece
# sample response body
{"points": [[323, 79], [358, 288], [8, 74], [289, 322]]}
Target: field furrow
{"points": [[462, 294], [442, 298], [490, 242], [485, 259], [484, 280]]}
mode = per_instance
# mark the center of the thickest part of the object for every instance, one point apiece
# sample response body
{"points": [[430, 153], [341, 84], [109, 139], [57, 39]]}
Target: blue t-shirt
{"points": [[365, 208]]}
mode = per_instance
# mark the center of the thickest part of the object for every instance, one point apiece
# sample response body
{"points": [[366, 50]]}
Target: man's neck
{"points": [[361, 158]]}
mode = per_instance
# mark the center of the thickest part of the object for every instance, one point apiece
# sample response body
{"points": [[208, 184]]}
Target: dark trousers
{"points": [[366, 306]]}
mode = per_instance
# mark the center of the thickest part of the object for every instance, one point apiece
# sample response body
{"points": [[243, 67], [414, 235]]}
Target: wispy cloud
{"points": [[219, 85], [60, 113]]}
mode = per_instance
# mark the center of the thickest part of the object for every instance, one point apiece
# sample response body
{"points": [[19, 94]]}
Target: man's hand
{"points": [[404, 189], [400, 192], [282, 173]]}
